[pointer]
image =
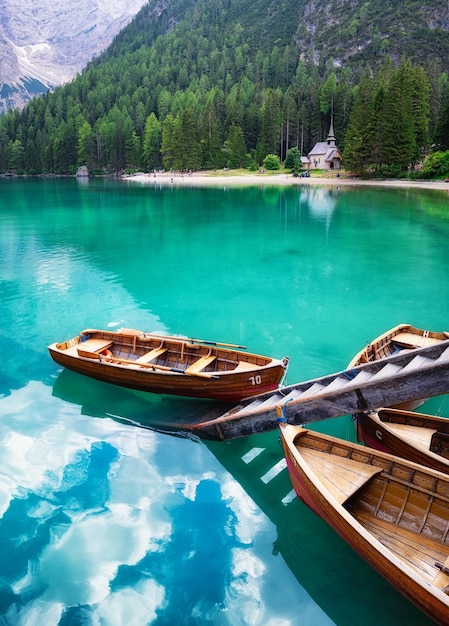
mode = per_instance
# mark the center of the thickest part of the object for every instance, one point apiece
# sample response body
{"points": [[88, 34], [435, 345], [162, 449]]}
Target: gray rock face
{"points": [[46, 43]]}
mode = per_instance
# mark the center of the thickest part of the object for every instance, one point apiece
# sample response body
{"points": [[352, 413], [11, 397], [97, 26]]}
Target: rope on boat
{"points": [[361, 416], [280, 412]]}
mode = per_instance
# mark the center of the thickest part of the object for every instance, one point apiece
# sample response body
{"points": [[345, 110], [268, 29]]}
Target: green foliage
{"points": [[360, 33], [328, 91], [388, 129], [208, 82], [293, 160], [151, 152], [17, 154], [441, 135], [271, 162], [235, 148], [436, 165]]}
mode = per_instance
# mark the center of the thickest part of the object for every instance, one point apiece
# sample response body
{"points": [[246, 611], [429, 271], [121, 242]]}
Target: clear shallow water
{"points": [[104, 521]]}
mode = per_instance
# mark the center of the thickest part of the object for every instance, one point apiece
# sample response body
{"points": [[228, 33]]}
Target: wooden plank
{"points": [[418, 435], [88, 354], [95, 345], [244, 366], [151, 356], [417, 551], [411, 340], [201, 364], [258, 413], [341, 476], [441, 580], [130, 331]]}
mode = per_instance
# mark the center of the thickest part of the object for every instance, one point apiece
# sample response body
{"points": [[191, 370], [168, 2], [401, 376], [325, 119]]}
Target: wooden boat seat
{"points": [[96, 345], [337, 473], [441, 580], [151, 356], [417, 434], [91, 348], [244, 366], [410, 340], [426, 551], [200, 364]]}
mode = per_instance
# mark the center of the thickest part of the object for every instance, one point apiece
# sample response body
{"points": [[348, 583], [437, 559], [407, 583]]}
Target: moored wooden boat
{"points": [[415, 436], [169, 364], [395, 340], [393, 512]]}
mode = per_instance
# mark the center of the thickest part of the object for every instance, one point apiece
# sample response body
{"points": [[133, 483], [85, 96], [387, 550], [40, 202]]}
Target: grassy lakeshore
{"points": [[245, 178]]}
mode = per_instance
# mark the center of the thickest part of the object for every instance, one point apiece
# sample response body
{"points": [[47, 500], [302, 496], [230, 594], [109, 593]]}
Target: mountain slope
{"points": [[358, 31], [45, 44], [194, 84]]}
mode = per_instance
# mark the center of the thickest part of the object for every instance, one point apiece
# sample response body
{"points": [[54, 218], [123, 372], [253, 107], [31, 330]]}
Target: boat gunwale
{"points": [[383, 340], [233, 375], [376, 419], [328, 508], [225, 352]]}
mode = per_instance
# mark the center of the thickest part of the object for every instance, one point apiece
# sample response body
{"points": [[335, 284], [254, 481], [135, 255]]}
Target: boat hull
{"points": [[229, 385], [401, 337], [308, 486], [408, 435]]}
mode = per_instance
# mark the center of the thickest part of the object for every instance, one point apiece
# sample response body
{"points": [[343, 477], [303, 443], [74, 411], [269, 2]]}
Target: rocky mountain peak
{"points": [[44, 44]]}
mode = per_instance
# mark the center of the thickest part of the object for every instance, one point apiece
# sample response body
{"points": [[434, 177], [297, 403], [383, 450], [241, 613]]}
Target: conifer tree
{"points": [[17, 157], [187, 152], [441, 134], [152, 143], [357, 154], [210, 133], [235, 148], [87, 151], [399, 147], [168, 142], [271, 121]]}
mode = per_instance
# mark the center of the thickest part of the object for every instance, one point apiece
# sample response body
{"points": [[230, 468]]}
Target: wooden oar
{"points": [[132, 332], [216, 343], [192, 340]]}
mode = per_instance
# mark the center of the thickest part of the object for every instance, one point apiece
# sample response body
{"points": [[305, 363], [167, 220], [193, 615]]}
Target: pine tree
{"points": [[168, 142], [421, 109], [187, 153], [210, 133], [235, 148], [152, 143], [17, 157], [357, 154], [441, 134], [271, 118], [133, 151], [399, 147], [87, 151]]}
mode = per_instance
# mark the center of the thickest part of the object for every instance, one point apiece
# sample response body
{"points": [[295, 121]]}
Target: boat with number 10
{"points": [[169, 364]]}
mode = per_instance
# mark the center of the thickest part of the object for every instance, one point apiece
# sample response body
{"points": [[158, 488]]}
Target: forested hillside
{"points": [[193, 84]]}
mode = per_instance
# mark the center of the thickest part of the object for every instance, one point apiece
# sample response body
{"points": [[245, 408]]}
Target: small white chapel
{"points": [[325, 154]]}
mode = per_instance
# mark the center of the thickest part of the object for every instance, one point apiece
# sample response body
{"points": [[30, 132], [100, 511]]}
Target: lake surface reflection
{"points": [[104, 519]]}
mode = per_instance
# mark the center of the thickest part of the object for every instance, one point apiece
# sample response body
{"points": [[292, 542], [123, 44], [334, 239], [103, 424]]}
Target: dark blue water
{"points": [[106, 521]]}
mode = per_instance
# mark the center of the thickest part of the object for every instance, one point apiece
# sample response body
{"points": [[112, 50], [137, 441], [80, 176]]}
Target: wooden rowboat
{"points": [[415, 436], [393, 512], [395, 340], [169, 364]]}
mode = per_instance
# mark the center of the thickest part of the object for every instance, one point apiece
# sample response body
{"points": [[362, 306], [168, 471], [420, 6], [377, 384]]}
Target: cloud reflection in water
{"points": [[104, 523]]}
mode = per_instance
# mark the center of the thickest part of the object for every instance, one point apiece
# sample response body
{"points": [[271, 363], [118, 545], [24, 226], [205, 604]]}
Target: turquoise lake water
{"points": [[105, 521]]}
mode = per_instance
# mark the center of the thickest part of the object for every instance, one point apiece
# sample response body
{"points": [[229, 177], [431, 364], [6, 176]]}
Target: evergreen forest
{"points": [[211, 84]]}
